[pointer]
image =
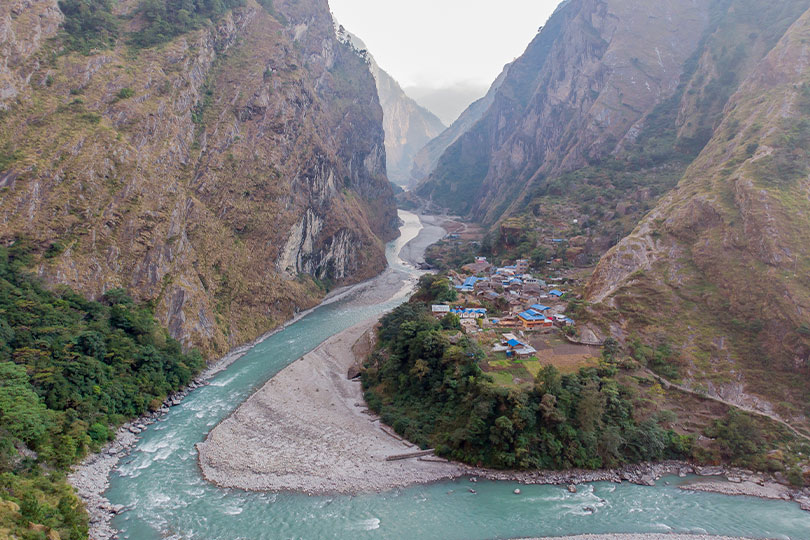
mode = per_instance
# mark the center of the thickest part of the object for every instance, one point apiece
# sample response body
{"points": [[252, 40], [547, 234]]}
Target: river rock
{"points": [[572, 488], [709, 471]]}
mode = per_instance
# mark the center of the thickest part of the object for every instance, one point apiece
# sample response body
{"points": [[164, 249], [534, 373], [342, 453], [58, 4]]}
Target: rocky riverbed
{"points": [[309, 430], [90, 478]]}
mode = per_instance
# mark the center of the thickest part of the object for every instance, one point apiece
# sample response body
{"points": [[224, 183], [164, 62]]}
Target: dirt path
{"points": [[669, 384]]}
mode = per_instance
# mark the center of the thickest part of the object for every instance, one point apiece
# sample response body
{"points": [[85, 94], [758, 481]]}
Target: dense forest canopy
{"points": [[71, 370]]}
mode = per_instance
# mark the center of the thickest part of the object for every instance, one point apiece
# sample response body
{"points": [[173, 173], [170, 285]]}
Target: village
{"points": [[517, 318]]}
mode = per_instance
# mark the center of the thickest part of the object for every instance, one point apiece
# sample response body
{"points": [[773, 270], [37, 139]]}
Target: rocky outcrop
{"points": [[244, 166], [24, 26], [408, 126], [629, 90], [719, 267]]}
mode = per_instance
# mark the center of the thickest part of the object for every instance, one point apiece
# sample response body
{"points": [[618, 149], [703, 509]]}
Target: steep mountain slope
{"points": [[591, 127], [224, 177], [408, 126], [23, 27], [604, 112], [719, 268], [582, 87], [424, 163]]}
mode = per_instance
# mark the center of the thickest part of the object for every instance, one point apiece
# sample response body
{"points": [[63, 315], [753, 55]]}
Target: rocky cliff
{"points": [[719, 268], [226, 176], [408, 126], [600, 118]]}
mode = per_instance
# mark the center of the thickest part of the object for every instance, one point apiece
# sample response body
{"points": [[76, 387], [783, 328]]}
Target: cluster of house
{"points": [[513, 283], [522, 292]]}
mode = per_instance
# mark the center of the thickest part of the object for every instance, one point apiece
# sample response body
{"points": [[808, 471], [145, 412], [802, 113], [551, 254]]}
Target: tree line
{"points": [[91, 24]]}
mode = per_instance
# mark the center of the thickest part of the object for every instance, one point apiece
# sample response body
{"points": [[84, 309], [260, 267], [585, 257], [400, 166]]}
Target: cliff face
{"points": [[223, 176], [600, 118], [720, 267], [408, 126], [582, 89], [641, 85]]}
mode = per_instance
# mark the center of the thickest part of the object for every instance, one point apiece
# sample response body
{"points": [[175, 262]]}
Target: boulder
{"points": [[578, 241]]}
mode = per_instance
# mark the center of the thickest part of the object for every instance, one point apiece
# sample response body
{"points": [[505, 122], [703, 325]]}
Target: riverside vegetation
{"points": [[425, 381], [71, 370]]}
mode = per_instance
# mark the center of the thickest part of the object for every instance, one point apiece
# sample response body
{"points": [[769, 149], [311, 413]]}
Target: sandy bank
{"points": [[431, 232], [306, 430]]}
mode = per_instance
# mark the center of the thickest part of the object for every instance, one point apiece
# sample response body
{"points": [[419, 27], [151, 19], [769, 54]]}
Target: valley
{"points": [[239, 251]]}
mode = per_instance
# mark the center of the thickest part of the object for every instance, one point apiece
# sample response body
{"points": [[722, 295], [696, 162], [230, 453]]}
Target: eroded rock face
{"points": [[250, 156], [408, 126], [426, 159], [24, 25]]}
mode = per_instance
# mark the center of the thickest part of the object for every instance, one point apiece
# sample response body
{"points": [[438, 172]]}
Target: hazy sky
{"points": [[438, 43]]}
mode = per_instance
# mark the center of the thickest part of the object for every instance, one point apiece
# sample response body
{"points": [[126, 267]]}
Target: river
{"points": [[166, 497]]}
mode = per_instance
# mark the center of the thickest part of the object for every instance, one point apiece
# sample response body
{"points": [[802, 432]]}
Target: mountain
{"points": [[424, 163], [602, 80], [408, 126], [601, 116], [225, 165], [678, 131], [719, 268]]}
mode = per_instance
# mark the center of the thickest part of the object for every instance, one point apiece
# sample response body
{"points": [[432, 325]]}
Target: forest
{"points": [[71, 371]]}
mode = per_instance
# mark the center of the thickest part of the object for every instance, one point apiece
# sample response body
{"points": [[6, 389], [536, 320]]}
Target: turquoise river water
{"points": [[166, 496]]}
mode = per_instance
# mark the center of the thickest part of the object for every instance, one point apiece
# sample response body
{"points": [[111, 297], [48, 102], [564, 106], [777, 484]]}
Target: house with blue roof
{"points": [[556, 292], [534, 319]]}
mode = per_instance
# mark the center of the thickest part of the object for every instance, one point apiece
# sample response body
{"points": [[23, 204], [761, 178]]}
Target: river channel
{"points": [[166, 497]]}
